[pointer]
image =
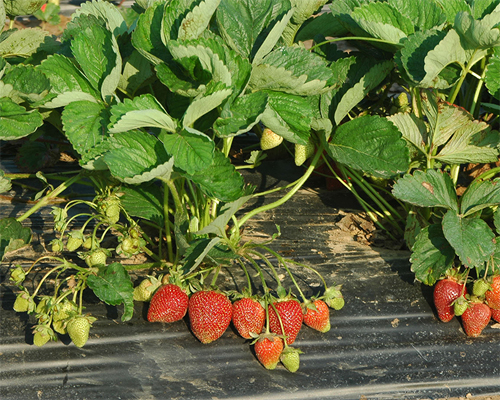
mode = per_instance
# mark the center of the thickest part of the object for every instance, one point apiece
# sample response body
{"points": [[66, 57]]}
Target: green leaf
{"points": [[197, 252], [203, 104], [144, 201], [272, 38], [496, 221], [427, 55], [28, 83], [452, 7], [5, 183], [112, 285], [431, 255], [479, 195], [146, 37], [108, 12], [65, 77], [26, 42], [96, 50], [289, 116], [220, 180], [465, 140], [383, 21], [248, 17], [424, 15], [136, 72], [192, 150], [15, 8], [13, 235], [363, 76], [481, 8], [492, 77], [241, 115], [205, 54], [219, 225], [2, 14], [479, 34], [324, 24], [197, 20], [427, 189], [292, 70], [15, 121], [412, 128], [138, 157], [371, 144], [472, 238], [84, 124], [141, 111], [302, 10]]}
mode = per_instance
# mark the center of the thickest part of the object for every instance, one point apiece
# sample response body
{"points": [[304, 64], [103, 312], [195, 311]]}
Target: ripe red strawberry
{"points": [[476, 318], [209, 314], [248, 316], [493, 295], [317, 315], [168, 304], [268, 349], [446, 292], [495, 314], [290, 312]]}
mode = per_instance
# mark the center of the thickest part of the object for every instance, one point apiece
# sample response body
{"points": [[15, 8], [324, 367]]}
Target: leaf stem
{"points": [[45, 200], [298, 184]]}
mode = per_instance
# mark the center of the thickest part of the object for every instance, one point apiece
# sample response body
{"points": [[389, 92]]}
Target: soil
{"points": [[32, 22]]}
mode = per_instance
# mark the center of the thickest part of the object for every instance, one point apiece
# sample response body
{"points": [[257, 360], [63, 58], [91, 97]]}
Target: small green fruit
{"points": [[303, 152], [78, 329], [23, 303], [96, 258], [17, 275], [270, 140], [290, 357], [56, 246], [480, 287]]}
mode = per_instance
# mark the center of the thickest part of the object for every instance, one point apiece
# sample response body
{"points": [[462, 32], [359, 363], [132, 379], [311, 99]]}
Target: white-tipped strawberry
{"points": [[303, 152], [270, 140]]}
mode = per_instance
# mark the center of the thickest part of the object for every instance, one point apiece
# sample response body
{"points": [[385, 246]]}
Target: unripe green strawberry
{"points": [[56, 246], [109, 208], [129, 246], [78, 329], [39, 339], [75, 240], [62, 312], [17, 275], [24, 303], [480, 287], [96, 258], [460, 305], [290, 357], [303, 152], [337, 303], [270, 140], [402, 100], [146, 288], [87, 243]]}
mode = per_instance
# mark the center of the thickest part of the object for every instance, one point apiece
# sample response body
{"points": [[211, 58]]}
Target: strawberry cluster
{"points": [[452, 298], [271, 324]]}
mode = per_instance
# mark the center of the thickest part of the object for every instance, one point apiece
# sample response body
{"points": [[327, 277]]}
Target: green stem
{"points": [[287, 196], [361, 38], [46, 199], [168, 232], [479, 88], [249, 280], [281, 260]]}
